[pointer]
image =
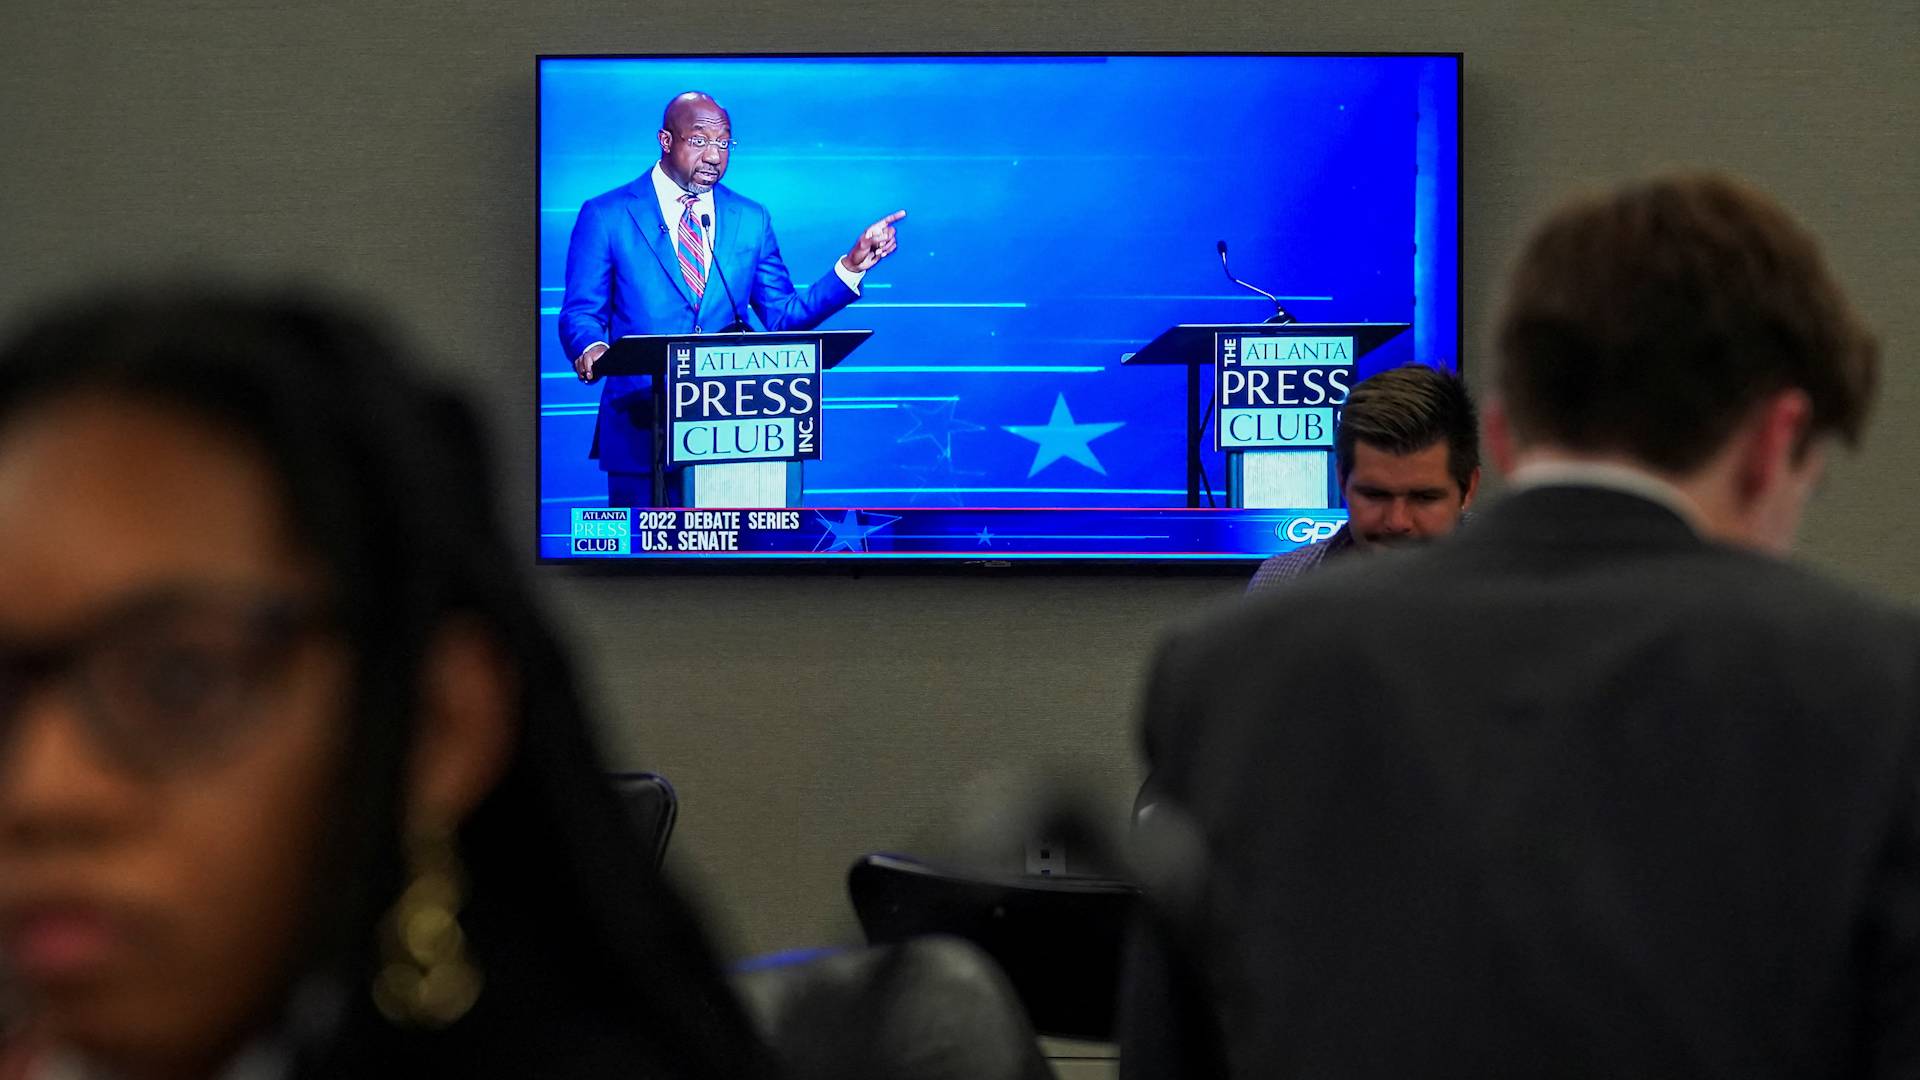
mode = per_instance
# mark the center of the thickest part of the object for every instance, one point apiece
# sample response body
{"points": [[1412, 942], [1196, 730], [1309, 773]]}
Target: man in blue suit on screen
{"points": [[675, 252]]}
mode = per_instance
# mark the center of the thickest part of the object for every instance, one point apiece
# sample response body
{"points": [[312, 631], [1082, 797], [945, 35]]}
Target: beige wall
{"points": [[388, 145]]}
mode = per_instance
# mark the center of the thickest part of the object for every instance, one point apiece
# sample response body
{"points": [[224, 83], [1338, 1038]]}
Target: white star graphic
{"points": [[1060, 437]]}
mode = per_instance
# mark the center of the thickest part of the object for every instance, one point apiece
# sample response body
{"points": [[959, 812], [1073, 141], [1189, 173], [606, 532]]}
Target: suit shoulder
{"points": [[608, 200], [743, 205], [1811, 598]]}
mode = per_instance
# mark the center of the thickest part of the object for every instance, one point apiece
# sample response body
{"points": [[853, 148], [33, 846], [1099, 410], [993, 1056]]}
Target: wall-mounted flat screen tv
{"points": [[977, 309]]}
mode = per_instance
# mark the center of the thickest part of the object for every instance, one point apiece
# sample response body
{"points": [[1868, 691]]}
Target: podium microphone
{"points": [[1280, 313], [739, 323]]}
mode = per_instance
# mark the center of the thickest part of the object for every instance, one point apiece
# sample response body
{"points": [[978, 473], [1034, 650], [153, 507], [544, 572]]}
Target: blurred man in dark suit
{"points": [[1601, 786], [1407, 453]]}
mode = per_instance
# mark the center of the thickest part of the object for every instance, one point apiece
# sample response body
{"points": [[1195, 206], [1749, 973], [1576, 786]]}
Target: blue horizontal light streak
{"points": [[982, 555], [591, 409], [798, 155], [902, 304], [1018, 536], [996, 491], [1195, 296], [945, 304], [1022, 303], [927, 369], [967, 369]]}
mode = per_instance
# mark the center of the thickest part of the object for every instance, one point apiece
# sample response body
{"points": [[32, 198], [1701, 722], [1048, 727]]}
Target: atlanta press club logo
{"points": [[598, 531]]}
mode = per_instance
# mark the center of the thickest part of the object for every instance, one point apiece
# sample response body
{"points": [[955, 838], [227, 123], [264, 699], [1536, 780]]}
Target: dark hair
{"points": [[1649, 320], [593, 964], [1406, 409]]}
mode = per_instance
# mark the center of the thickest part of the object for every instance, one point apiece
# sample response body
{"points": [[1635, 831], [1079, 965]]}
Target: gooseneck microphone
{"points": [[739, 321], [1280, 312]]}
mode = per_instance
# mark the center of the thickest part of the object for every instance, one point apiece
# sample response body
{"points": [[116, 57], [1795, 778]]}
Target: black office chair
{"points": [[934, 1008], [652, 807], [1058, 939]]}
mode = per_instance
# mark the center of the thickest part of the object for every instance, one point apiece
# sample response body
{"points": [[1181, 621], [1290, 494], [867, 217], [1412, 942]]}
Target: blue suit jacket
{"points": [[623, 277]]}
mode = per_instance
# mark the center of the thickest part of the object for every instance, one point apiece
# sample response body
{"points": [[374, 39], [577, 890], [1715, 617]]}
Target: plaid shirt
{"points": [[1288, 565]]}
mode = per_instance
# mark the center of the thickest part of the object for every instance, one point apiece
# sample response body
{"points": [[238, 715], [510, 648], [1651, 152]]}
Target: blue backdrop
{"points": [[1062, 212]]}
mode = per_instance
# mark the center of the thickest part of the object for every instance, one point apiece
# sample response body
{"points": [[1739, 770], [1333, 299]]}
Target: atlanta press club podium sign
{"points": [[1280, 392], [1278, 388], [740, 409], [735, 414], [735, 402]]}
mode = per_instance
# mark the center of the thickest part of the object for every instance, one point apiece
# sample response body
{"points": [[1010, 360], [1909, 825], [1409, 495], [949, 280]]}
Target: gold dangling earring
{"points": [[426, 979]]}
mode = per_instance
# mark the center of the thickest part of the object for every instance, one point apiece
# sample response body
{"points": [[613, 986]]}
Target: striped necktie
{"points": [[692, 248]]}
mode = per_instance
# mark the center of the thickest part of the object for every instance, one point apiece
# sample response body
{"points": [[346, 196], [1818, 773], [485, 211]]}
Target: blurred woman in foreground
{"points": [[293, 778]]}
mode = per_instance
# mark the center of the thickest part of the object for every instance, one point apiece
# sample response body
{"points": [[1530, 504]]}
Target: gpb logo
{"points": [[1306, 530]]}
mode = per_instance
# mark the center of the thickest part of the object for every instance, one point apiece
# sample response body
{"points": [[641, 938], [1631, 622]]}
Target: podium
{"points": [[691, 436], [1288, 473]]}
